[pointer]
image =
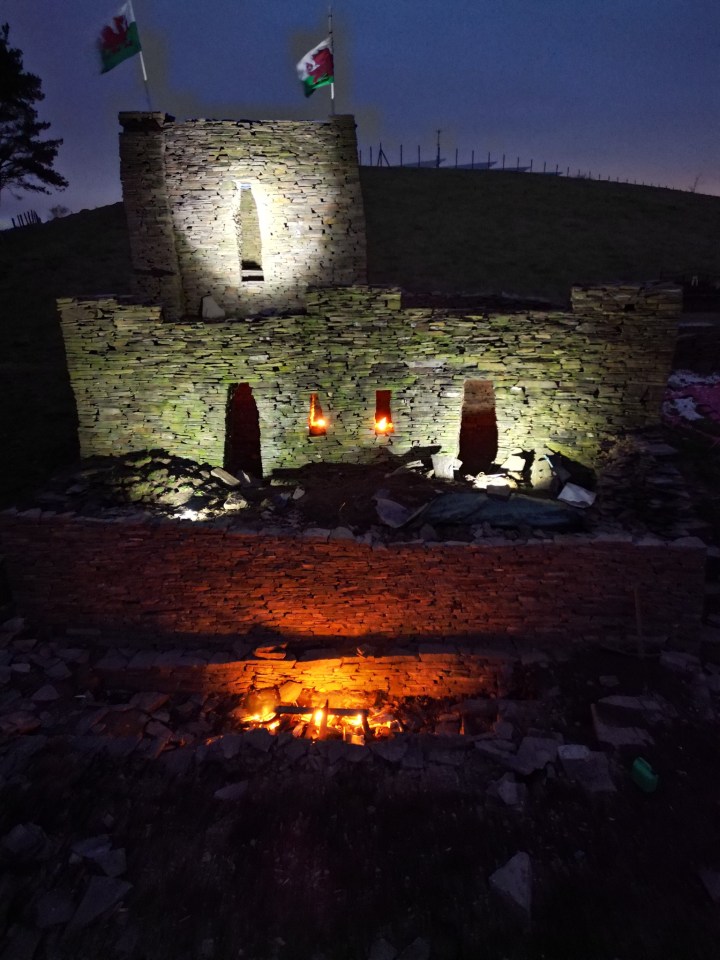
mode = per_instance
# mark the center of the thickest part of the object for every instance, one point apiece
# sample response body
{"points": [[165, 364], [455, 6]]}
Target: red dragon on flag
{"points": [[119, 39], [316, 69]]}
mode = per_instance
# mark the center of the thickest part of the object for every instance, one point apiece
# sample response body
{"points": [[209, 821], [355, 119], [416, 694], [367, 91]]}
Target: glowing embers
{"points": [[356, 725], [317, 424], [383, 415]]}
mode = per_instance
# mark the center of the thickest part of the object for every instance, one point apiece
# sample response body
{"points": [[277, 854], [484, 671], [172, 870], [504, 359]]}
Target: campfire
{"points": [[357, 725], [362, 724]]}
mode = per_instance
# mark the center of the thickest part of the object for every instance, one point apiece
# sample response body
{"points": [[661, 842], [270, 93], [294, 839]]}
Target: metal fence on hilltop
{"points": [[414, 159], [26, 219]]}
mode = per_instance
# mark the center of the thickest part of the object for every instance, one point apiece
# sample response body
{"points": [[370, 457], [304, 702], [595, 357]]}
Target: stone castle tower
{"points": [[248, 212]]}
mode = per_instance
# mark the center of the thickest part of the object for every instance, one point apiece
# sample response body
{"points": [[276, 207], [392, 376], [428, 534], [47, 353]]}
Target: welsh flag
{"points": [[119, 39], [316, 69]]}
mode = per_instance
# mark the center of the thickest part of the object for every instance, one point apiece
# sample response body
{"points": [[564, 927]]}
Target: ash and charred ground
{"points": [[115, 844]]}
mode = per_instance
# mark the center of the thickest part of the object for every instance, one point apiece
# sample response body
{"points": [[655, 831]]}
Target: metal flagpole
{"points": [[332, 51], [142, 64]]}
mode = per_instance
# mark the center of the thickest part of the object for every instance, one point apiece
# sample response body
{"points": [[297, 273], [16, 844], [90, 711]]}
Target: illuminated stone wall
{"points": [[178, 582], [569, 380], [182, 189]]}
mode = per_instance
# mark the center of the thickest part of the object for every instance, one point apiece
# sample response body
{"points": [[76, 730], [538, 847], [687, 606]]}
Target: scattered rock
{"points": [[149, 702], [514, 463], [233, 791], [513, 882], [259, 738], [102, 894], [21, 944], [590, 769], [45, 694], [678, 662], [419, 949], [507, 789], [391, 750], [92, 847], [290, 691], [19, 722], [236, 501], [382, 950], [113, 863], [534, 753], [53, 908], [210, 309], [26, 841], [711, 882], [617, 736]]}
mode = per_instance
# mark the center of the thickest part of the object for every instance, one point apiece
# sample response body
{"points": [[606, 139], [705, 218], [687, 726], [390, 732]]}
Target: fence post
{"points": [[472, 160], [401, 160], [503, 162]]}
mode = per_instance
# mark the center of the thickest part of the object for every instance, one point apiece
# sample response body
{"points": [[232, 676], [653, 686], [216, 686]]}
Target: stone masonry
{"points": [[180, 582], [572, 380], [183, 185]]}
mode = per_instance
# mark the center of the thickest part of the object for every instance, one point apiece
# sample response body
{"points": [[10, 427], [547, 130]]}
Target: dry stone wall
{"points": [[169, 582], [570, 380], [182, 187], [426, 670]]}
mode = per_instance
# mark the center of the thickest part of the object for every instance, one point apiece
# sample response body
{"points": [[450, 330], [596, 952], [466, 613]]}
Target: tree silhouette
{"points": [[26, 161]]}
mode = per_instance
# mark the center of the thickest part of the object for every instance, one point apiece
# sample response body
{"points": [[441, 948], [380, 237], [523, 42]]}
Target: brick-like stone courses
{"points": [[571, 380], [182, 191], [147, 210], [174, 580], [347, 680]]}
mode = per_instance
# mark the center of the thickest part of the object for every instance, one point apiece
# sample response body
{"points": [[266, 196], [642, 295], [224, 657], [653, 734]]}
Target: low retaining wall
{"points": [[428, 671], [177, 582]]}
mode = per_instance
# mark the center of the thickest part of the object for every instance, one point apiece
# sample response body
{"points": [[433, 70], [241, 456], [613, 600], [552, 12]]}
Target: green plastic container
{"points": [[644, 776]]}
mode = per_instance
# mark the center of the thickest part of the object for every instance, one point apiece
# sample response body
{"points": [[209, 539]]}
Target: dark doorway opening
{"points": [[478, 427], [242, 432]]}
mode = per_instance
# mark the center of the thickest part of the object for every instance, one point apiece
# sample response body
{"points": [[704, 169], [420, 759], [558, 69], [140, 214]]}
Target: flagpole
{"points": [[332, 50], [142, 64]]}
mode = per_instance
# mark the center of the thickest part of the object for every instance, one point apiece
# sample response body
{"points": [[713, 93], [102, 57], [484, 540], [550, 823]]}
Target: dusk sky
{"points": [[624, 88]]}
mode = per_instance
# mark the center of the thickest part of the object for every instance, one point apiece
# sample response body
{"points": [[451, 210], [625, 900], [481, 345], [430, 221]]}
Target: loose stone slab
{"points": [[513, 882], [616, 736], [534, 753], [102, 894]]}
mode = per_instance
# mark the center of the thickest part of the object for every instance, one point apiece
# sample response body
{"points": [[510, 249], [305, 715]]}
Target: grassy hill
{"points": [[530, 234], [447, 230]]}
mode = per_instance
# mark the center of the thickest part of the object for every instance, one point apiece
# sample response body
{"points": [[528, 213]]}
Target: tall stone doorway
{"points": [[478, 427], [242, 431]]}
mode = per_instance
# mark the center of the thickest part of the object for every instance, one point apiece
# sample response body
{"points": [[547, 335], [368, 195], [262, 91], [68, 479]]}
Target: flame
{"points": [[317, 422], [318, 716], [383, 425]]}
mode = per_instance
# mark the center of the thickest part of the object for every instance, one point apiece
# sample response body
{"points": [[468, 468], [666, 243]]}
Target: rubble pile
{"points": [[639, 490]]}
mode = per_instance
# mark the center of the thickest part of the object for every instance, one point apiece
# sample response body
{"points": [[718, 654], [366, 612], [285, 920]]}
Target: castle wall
{"points": [[574, 381], [182, 187], [178, 581]]}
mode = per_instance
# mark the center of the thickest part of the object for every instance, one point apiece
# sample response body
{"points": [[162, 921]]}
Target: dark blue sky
{"points": [[625, 88]]}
